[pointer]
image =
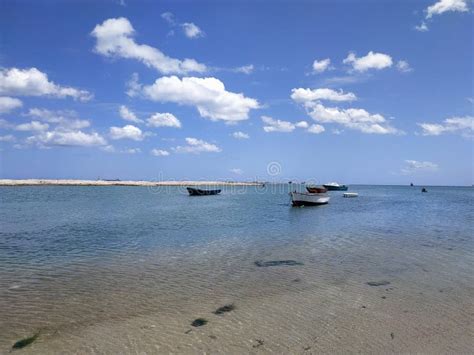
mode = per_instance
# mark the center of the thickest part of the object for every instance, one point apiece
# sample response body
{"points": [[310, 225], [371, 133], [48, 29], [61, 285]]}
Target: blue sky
{"points": [[356, 92]]}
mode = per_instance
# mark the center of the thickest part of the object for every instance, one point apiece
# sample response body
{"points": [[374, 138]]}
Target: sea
{"points": [[119, 270]]}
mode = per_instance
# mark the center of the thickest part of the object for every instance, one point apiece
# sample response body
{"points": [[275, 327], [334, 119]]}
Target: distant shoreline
{"points": [[72, 182]]}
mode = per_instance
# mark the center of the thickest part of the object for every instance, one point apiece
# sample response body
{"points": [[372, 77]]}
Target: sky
{"points": [[366, 92]]}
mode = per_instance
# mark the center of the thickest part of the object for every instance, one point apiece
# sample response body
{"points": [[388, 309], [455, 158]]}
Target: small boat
{"points": [[411, 184], [334, 186], [350, 194], [424, 190], [316, 189], [307, 199], [198, 192]]}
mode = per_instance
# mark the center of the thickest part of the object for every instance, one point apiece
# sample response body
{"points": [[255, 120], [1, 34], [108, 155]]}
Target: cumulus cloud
{"points": [[115, 38], [163, 120], [353, 118], [275, 125], [192, 31], [320, 66], [240, 135], [208, 95], [302, 124], [128, 115], [32, 82], [315, 129], [64, 119], [67, 138], [7, 138], [439, 8], [159, 152], [357, 119], [305, 96], [423, 27], [196, 146], [8, 104], [414, 166], [32, 126], [456, 125], [126, 132], [442, 6], [403, 66], [372, 60]]}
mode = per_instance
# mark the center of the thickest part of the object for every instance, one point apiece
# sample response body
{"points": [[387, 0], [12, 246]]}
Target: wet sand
{"points": [[310, 308]]}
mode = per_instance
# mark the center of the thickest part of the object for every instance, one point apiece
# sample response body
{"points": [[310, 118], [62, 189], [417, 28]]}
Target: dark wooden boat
{"points": [[198, 192], [316, 189], [424, 190]]}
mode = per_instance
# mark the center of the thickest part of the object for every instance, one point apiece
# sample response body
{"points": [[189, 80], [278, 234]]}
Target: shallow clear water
{"points": [[100, 268]]}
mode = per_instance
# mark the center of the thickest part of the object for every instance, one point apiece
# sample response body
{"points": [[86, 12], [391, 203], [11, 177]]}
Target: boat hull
{"points": [[316, 189], [350, 194], [306, 199], [336, 188], [199, 192]]}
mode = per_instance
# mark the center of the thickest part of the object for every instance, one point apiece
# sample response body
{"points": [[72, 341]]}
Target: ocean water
{"points": [[127, 269]]}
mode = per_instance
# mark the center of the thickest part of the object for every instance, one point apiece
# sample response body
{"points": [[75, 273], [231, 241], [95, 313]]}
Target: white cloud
{"points": [[236, 171], [207, 94], [32, 82], [65, 119], [196, 146], [7, 138], [133, 86], [240, 135], [320, 66], [246, 69], [357, 119], [8, 104], [159, 152], [304, 96], [132, 151], [315, 129], [168, 17], [457, 125], [372, 60], [403, 66], [302, 124], [273, 125], [163, 120], [126, 132], [115, 39], [423, 27], [192, 31], [413, 166], [443, 6], [32, 126], [67, 138], [128, 115]]}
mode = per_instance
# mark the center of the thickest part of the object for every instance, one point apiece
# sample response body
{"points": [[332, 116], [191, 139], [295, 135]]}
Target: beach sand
{"points": [[72, 182]]}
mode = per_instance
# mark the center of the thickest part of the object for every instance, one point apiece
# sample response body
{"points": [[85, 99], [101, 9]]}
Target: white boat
{"points": [[350, 194], [307, 199]]}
